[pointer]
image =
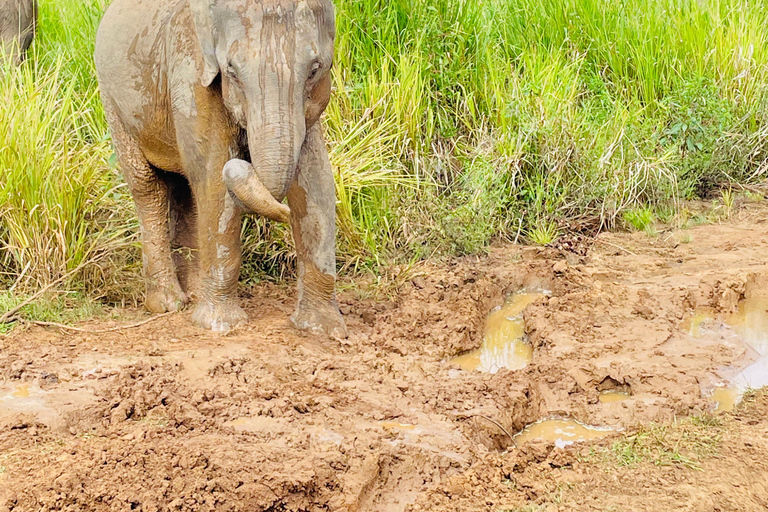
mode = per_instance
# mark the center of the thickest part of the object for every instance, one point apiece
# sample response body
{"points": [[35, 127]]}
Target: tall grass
{"points": [[530, 113], [63, 209], [57, 198], [453, 123]]}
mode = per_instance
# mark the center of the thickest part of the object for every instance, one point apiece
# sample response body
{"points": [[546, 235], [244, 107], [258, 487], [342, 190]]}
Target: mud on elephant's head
{"points": [[274, 58]]}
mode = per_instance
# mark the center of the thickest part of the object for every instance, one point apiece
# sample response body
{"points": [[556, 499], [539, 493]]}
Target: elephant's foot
{"points": [[218, 317], [324, 319], [161, 298]]}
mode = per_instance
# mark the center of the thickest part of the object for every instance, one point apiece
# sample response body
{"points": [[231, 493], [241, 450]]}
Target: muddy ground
{"points": [[168, 417]]}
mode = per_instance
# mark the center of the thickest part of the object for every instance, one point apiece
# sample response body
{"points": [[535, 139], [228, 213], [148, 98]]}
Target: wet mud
{"points": [[504, 342], [747, 326], [395, 418], [608, 397], [560, 432]]}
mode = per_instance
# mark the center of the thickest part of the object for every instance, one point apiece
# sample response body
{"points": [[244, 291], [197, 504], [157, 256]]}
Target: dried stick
{"points": [[95, 331], [616, 246], [499, 425]]}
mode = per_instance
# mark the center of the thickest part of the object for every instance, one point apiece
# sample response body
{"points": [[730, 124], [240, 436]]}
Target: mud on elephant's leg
{"points": [[219, 257], [150, 193], [183, 228], [312, 199]]}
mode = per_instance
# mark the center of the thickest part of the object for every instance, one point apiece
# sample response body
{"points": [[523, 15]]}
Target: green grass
{"points": [[63, 207], [453, 123], [60, 307], [684, 443], [641, 219], [544, 233]]}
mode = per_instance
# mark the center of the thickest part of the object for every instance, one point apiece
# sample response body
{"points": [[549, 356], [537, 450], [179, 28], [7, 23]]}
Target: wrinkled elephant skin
{"points": [[213, 107], [18, 20], [240, 178]]}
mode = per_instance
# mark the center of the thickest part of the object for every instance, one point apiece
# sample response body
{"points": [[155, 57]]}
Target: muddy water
{"points": [[607, 397], [21, 391], [725, 398], [395, 425], [21, 398], [699, 322], [504, 344], [750, 324], [561, 432]]}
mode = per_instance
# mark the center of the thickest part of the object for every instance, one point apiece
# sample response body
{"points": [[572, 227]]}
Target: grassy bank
{"points": [[453, 123]]}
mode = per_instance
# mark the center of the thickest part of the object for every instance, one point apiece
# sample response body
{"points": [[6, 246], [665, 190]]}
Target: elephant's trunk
{"points": [[275, 150], [276, 122], [275, 137], [242, 181]]}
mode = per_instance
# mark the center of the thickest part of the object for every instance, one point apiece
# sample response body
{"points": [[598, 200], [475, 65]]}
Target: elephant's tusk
{"points": [[242, 181]]}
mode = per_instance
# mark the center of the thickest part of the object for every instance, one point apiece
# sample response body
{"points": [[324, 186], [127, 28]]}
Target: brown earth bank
{"points": [[168, 417]]}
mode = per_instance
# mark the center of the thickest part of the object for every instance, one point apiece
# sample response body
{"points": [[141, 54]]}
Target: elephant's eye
{"points": [[231, 71], [314, 70]]}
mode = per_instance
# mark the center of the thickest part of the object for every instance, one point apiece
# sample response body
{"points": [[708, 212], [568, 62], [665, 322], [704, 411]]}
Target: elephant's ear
{"points": [[201, 14]]}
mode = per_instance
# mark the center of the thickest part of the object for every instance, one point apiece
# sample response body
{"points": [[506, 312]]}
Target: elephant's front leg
{"points": [[312, 199], [219, 255]]}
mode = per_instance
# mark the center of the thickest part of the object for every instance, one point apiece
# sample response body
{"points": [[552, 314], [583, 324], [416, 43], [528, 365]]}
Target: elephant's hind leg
{"points": [[150, 194], [183, 228]]}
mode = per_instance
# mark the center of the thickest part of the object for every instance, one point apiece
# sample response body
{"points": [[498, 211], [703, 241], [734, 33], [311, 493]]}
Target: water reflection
{"points": [[750, 324]]}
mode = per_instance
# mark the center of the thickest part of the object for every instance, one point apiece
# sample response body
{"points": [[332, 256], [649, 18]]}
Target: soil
{"points": [[265, 418]]}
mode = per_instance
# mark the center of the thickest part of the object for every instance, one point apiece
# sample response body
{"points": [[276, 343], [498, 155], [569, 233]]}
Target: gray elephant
{"points": [[18, 19], [214, 109]]}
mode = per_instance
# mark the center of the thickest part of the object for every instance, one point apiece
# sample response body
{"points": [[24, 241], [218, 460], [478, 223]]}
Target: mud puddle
{"points": [[725, 398], [561, 432], [504, 343], [608, 397], [22, 399], [749, 325]]}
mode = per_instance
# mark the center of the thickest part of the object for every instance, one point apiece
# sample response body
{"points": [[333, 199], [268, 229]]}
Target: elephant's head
{"points": [[274, 58]]}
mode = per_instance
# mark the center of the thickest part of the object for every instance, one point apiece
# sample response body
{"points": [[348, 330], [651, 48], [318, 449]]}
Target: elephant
{"points": [[214, 108], [18, 20]]}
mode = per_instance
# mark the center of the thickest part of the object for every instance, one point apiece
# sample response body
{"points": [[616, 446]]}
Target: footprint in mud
{"points": [[561, 432], [750, 325], [504, 344]]}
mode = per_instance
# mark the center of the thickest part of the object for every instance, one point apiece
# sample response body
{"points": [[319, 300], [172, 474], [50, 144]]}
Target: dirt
{"points": [[168, 417]]}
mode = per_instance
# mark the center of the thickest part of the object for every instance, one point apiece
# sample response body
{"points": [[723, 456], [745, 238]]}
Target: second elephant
{"points": [[18, 21], [214, 109]]}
